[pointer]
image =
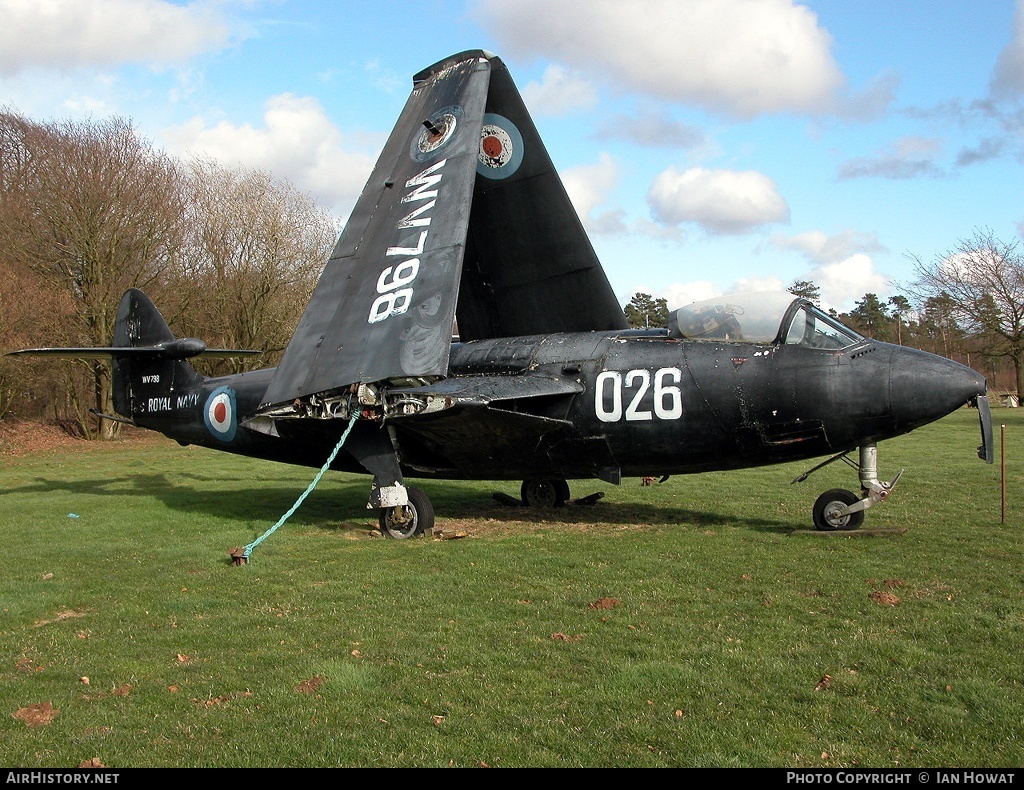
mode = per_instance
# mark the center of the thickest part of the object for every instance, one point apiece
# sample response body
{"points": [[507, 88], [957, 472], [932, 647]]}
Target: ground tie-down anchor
{"points": [[239, 556]]}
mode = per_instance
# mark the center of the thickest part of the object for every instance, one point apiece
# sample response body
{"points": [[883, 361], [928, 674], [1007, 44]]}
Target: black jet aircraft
{"points": [[464, 222]]}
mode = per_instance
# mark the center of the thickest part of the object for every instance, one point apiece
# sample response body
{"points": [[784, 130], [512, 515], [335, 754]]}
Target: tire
{"points": [[544, 493], [414, 519], [833, 500]]}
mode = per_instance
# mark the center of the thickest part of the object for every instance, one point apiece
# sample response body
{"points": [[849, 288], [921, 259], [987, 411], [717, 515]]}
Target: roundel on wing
{"points": [[220, 413], [501, 147], [437, 131]]}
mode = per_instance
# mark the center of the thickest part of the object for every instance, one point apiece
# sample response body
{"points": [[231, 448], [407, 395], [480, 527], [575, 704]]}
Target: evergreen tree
{"points": [[645, 311]]}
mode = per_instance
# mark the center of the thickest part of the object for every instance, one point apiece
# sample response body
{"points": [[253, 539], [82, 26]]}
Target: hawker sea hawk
{"points": [[464, 222]]}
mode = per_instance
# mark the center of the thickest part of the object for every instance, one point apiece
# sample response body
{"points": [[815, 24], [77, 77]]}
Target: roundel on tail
{"points": [[220, 414], [501, 147]]}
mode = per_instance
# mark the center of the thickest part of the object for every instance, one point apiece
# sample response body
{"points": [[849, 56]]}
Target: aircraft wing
{"points": [[530, 267], [488, 417], [464, 216], [384, 306]]}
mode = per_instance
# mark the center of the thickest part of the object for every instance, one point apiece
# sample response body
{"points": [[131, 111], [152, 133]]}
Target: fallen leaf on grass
{"points": [[824, 683], [220, 700], [37, 715], [93, 763], [560, 637]]}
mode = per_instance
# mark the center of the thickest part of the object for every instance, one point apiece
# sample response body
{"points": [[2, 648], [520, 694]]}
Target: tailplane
{"points": [[148, 362]]}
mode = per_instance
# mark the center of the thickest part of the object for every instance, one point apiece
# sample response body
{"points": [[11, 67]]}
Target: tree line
{"points": [[231, 256], [966, 304], [91, 209]]}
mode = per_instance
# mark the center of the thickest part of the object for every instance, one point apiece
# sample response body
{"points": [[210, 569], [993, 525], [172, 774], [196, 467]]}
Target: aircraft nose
{"points": [[924, 387]]}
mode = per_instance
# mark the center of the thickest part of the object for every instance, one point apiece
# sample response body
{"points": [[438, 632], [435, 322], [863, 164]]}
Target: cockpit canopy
{"points": [[773, 317]]}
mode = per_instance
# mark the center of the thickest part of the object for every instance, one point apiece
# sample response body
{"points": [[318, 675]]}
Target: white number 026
{"points": [[614, 388]]}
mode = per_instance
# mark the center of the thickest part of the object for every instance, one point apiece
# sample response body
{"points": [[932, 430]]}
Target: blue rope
{"points": [[309, 489]]}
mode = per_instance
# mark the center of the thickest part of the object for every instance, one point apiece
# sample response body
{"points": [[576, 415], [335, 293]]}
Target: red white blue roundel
{"points": [[437, 131], [220, 414], [501, 147]]}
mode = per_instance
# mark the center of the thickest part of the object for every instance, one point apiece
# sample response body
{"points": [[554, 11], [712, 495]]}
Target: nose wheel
{"points": [[829, 507]]}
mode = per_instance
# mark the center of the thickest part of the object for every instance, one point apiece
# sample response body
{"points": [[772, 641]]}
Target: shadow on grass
{"points": [[340, 505]]}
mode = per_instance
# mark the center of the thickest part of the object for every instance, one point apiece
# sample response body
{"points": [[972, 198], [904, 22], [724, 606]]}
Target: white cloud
{"points": [[69, 34], [721, 201], [905, 158], [655, 128], [843, 271], [756, 284], [559, 93], [819, 247], [297, 141], [741, 57], [845, 282], [1008, 77], [589, 185], [677, 295]]}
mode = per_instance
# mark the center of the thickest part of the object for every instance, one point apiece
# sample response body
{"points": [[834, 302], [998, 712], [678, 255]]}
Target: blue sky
{"points": [[709, 145]]}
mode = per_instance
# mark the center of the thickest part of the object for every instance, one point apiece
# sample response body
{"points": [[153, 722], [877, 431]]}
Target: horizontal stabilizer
{"points": [[183, 348]]}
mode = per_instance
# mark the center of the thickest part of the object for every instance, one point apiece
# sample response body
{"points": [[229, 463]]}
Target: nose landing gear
{"points": [[839, 509]]}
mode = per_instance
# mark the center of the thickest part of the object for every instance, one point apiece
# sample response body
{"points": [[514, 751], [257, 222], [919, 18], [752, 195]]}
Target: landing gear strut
{"points": [[839, 509]]}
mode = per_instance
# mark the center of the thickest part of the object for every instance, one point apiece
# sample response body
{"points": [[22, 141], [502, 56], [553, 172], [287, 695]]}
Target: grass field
{"points": [[692, 623]]}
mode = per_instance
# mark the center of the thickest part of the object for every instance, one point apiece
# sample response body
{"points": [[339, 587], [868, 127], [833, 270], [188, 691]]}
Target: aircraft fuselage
{"points": [[622, 403]]}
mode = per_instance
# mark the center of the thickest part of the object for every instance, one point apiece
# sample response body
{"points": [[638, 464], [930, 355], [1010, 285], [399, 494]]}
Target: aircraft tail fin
{"points": [[147, 360], [146, 356], [464, 218]]}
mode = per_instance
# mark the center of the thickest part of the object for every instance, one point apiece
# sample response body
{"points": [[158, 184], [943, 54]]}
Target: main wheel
{"points": [[544, 493], [405, 521], [828, 506]]}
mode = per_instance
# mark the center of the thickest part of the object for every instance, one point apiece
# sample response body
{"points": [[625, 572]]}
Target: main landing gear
{"points": [[839, 509], [406, 521], [544, 492], [417, 517]]}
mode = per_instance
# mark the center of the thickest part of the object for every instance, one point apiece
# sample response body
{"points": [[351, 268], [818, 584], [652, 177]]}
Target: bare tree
{"points": [[93, 210], [981, 280], [256, 248]]}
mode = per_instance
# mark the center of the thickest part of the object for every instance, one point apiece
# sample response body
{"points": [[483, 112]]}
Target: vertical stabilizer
{"points": [[464, 215], [151, 374]]}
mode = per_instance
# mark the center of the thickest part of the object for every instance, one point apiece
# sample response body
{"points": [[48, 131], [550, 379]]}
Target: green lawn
{"points": [[692, 623]]}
